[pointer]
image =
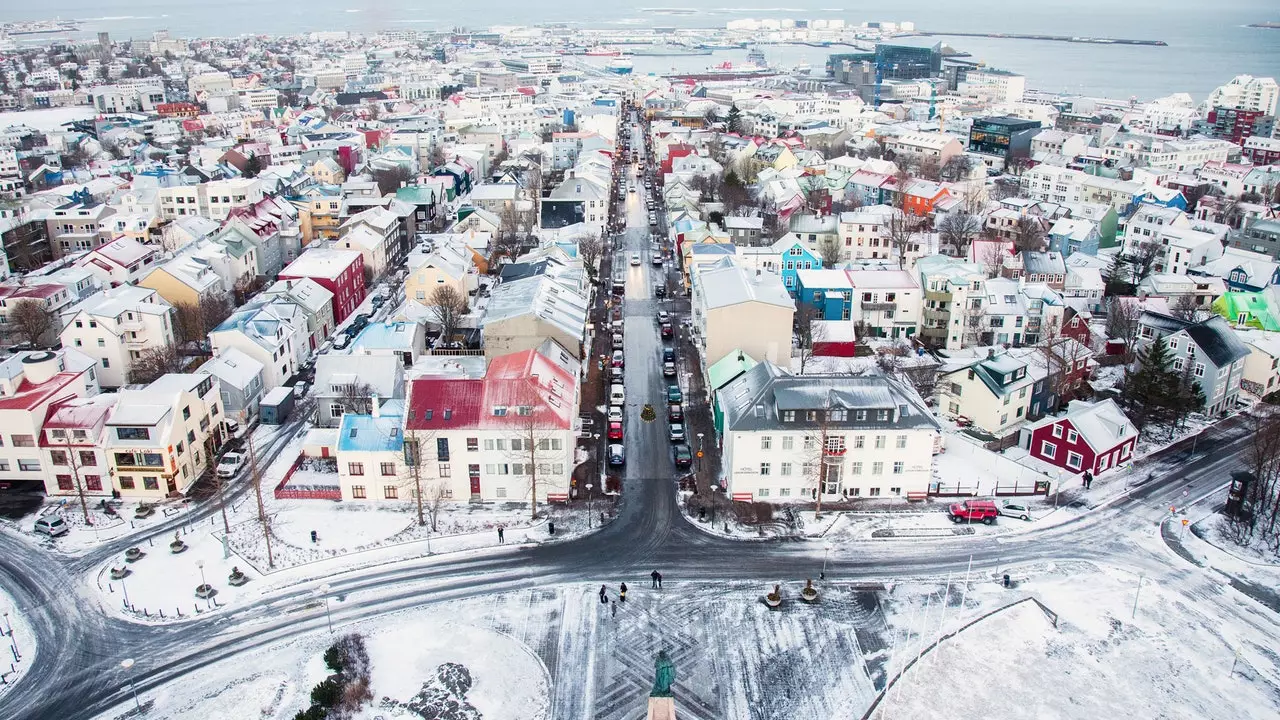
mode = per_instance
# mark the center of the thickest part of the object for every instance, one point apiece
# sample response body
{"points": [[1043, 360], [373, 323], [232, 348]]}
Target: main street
{"points": [[76, 669]]}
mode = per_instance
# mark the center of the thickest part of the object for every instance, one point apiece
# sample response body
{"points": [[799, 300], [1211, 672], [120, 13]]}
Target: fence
{"points": [[992, 473], [304, 492]]}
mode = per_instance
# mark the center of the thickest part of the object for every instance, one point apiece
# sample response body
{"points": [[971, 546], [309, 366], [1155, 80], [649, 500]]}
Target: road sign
{"points": [[699, 453]]}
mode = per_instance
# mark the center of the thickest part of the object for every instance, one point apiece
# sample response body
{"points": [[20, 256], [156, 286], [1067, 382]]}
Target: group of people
{"points": [[655, 577]]}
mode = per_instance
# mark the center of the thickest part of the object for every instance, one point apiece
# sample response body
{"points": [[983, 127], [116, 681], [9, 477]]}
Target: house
{"points": [[501, 435], [886, 303], [788, 437], [448, 263], [30, 383], [240, 383], [1089, 436], [119, 262], [378, 234], [953, 297], [73, 442], [341, 388], [744, 231], [830, 292], [1242, 270], [185, 280], [523, 314], [271, 331], [1211, 347], [1073, 235], [50, 297], [160, 439], [863, 233], [993, 393], [405, 341], [735, 310], [315, 302], [341, 272], [116, 326]]}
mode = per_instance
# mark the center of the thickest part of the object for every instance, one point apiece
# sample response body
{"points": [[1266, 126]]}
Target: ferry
{"points": [[620, 66], [602, 51]]}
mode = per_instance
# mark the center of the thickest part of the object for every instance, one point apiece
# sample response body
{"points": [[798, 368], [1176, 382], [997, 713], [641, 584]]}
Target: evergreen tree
{"points": [[253, 166], [1188, 397], [735, 119], [1152, 391]]}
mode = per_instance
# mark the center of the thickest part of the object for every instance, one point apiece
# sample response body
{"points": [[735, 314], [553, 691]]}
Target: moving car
{"points": [[970, 510], [1022, 512], [675, 413], [230, 464], [668, 369], [52, 525], [659, 290], [635, 258], [677, 432], [684, 458], [615, 431], [617, 455], [674, 395]]}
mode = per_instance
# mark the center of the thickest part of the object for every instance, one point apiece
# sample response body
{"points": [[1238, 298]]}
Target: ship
{"points": [[665, 49], [743, 70], [620, 66], [756, 56], [602, 51]]}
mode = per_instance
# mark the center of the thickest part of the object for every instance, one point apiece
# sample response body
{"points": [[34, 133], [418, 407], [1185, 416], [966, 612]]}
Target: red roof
{"points": [[28, 395], [524, 378]]}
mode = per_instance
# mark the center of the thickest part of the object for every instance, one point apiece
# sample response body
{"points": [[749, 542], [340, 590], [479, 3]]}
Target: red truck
{"points": [[971, 510]]}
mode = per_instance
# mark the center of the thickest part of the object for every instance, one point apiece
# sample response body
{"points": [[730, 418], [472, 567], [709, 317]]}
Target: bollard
{"points": [[197, 607], [179, 611], [162, 612], [149, 543], [111, 589], [1006, 580]]}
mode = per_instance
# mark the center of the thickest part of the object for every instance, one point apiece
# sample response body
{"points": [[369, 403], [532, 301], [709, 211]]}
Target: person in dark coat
{"points": [[500, 538], [622, 596], [657, 578], [604, 596], [1088, 479]]}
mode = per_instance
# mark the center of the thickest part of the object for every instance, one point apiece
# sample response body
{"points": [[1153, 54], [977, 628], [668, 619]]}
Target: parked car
{"points": [[616, 374], [52, 525], [617, 455], [664, 316], [617, 341], [668, 369], [230, 464], [675, 413], [668, 354], [615, 431], [659, 290], [341, 342], [684, 458], [674, 395], [677, 432], [971, 510], [617, 394], [615, 413], [617, 360], [667, 330], [1022, 512], [657, 259]]}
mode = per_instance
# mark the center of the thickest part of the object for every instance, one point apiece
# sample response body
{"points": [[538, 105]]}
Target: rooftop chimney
{"points": [[374, 409]]}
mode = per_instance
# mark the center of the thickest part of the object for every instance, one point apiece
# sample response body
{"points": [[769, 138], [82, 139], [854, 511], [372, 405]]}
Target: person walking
{"points": [[622, 596], [604, 596], [657, 579], [1088, 479], [615, 610], [501, 539]]}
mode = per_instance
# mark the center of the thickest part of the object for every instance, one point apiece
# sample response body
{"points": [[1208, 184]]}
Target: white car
{"points": [[1022, 512], [615, 413], [635, 258], [230, 465]]}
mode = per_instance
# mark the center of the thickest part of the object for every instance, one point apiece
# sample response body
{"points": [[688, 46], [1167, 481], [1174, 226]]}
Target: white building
{"points": [[1246, 92], [30, 383], [161, 438], [116, 326]]}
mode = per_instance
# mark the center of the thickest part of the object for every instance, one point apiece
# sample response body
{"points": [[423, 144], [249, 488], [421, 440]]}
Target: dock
{"points": [[1052, 38]]}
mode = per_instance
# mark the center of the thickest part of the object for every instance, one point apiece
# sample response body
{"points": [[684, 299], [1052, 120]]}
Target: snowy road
{"points": [[76, 673]]}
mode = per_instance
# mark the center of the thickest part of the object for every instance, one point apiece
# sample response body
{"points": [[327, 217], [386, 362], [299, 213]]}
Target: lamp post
{"points": [[200, 564], [323, 591], [700, 450], [589, 504], [127, 664], [1137, 595], [826, 551]]}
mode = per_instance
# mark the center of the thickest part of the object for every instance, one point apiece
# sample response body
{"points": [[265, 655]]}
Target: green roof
{"points": [[728, 368], [1257, 308], [416, 194]]}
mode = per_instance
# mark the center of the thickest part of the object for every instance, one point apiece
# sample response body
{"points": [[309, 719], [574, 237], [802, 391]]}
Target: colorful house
{"points": [[341, 272], [794, 256], [1093, 436], [1250, 309]]}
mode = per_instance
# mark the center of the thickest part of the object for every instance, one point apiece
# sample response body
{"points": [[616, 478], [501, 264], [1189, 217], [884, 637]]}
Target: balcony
{"points": [[876, 306], [833, 455]]}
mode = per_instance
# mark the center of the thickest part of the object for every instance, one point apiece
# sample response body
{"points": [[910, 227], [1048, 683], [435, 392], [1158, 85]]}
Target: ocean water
{"points": [[1208, 41]]}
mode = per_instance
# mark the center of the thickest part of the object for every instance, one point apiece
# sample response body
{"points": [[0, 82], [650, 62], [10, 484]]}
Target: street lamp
{"points": [[826, 552], [127, 664], [200, 564], [589, 504], [323, 591]]}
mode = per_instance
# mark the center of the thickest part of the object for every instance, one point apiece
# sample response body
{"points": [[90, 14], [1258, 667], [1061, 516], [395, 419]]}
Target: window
{"points": [[763, 492], [24, 441], [1074, 460], [64, 482], [1072, 436], [901, 442], [355, 468], [877, 468], [1057, 431], [390, 492], [1199, 370], [473, 444], [58, 457], [898, 468], [856, 469], [874, 492], [809, 442], [357, 491], [880, 442], [784, 492], [186, 413], [764, 468], [150, 483], [766, 442], [444, 470], [133, 433], [785, 469], [126, 482], [500, 492], [788, 442], [442, 449], [387, 469], [859, 442]]}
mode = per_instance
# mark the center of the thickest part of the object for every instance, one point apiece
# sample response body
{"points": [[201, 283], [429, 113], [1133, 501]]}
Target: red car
{"points": [[667, 330], [970, 510], [615, 431]]}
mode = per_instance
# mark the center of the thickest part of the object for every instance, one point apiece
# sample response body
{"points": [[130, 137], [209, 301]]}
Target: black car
{"points": [[675, 413], [668, 354], [659, 290], [684, 458]]}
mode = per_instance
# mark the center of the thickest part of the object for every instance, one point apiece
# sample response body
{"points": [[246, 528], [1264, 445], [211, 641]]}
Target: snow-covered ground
{"points": [[48, 119], [15, 632], [1214, 529]]}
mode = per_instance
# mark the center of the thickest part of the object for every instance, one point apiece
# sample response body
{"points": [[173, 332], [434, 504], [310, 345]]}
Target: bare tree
{"points": [[391, 179], [153, 363], [810, 331], [31, 319], [1185, 308], [355, 397], [819, 450], [194, 321], [958, 229], [1262, 517], [1140, 260], [417, 448], [990, 255], [899, 230], [956, 168], [447, 306], [1122, 324], [590, 249], [900, 362], [1029, 234], [68, 455], [830, 252], [535, 447], [263, 518]]}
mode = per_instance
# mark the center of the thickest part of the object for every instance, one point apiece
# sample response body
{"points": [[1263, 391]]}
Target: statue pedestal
{"points": [[662, 708]]}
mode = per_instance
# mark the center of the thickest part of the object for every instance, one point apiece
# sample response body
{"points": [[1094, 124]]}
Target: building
{"points": [[160, 439], [735, 310], [341, 272], [1003, 137], [240, 384], [116, 327], [185, 280], [953, 301], [451, 263], [353, 384], [121, 261], [992, 393], [1246, 92], [273, 332], [932, 146], [30, 383], [523, 314], [1089, 436], [788, 437], [1212, 349], [73, 442], [744, 231]]}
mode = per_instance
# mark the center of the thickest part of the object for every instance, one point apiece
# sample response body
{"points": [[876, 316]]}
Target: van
{"points": [[617, 396], [52, 525], [617, 341]]}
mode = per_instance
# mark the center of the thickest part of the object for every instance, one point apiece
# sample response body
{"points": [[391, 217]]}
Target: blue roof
{"points": [[366, 433], [387, 336]]}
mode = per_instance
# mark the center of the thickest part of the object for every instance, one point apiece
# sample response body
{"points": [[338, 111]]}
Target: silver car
{"points": [[1017, 510]]}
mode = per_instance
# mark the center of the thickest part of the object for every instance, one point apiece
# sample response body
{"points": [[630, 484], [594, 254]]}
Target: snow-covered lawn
{"points": [[15, 632], [1215, 530], [1170, 661]]}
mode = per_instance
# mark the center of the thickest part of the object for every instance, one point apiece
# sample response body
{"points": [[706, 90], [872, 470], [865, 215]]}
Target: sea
{"points": [[1209, 41]]}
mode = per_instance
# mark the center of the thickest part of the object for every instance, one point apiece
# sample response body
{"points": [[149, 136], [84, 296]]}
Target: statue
{"points": [[665, 675]]}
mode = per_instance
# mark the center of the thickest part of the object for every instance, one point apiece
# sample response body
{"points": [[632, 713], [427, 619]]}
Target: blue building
{"points": [[830, 291], [1072, 235], [794, 256]]}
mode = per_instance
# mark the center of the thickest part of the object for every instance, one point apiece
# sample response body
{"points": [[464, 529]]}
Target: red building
{"points": [[341, 272], [1089, 436], [1232, 124], [1075, 325]]}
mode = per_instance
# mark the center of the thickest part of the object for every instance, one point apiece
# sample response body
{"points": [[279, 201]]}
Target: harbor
{"points": [[1051, 38]]}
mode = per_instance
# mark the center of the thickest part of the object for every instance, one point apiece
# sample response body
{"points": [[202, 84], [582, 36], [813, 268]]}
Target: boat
{"points": [[620, 66], [756, 56], [666, 49], [602, 51], [728, 68]]}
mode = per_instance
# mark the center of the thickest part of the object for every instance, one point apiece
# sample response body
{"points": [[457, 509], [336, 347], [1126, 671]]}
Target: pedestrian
{"points": [[1088, 479], [657, 578], [615, 609], [551, 527], [500, 537], [604, 596], [622, 596]]}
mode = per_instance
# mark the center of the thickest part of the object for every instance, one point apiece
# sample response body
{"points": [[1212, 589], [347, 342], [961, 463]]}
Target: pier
{"points": [[1053, 38]]}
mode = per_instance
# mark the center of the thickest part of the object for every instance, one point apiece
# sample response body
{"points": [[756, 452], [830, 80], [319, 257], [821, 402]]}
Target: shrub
{"points": [[327, 693], [333, 659]]}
